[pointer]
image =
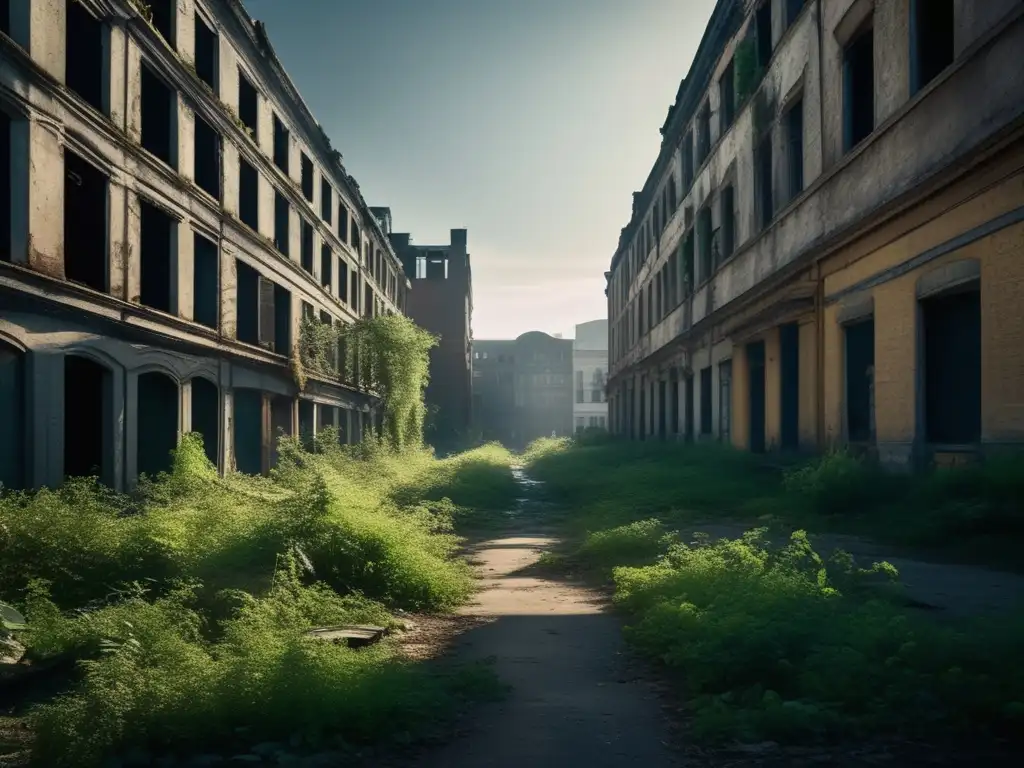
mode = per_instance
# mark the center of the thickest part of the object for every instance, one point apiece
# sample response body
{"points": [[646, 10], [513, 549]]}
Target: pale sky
{"points": [[528, 122]]}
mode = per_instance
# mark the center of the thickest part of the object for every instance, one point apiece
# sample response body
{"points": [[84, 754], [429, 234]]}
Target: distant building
{"points": [[522, 389], [590, 371], [441, 301]]}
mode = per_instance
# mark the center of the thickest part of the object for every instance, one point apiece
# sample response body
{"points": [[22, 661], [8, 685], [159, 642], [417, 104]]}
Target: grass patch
{"points": [[188, 601], [780, 643]]}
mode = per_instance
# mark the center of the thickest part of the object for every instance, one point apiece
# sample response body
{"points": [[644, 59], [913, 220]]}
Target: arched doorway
{"points": [[88, 439], [157, 422], [12, 416]]}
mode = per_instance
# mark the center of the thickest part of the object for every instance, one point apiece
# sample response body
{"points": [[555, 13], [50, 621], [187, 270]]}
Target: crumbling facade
{"points": [[441, 301], [829, 249], [172, 211]]}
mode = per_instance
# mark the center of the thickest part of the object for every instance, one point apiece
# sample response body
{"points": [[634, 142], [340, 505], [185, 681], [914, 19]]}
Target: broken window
{"points": [[206, 415], [860, 374], [795, 147], [248, 195], [706, 410], [247, 290], [763, 22], [931, 40], [85, 223], [205, 277], [280, 144], [6, 181], [159, 258], [83, 40], [207, 60], [859, 88], [282, 320], [704, 234], [326, 200], [267, 315], [727, 199], [307, 246], [248, 104], [88, 419], [157, 422], [307, 311], [687, 162], [343, 223], [763, 175], [159, 117], [282, 212], [307, 177], [952, 366], [703, 133], [343, 280], [162, 16], [326, 262], [206, 169], [727, 96], [12, 417]]}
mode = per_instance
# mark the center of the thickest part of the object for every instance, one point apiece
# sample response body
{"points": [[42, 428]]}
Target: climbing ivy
{"points": [[747, 72], [390, 355], [318, 347]]}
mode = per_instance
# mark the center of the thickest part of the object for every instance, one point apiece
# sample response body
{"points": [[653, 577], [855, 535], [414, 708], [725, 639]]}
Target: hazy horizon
{"points": [[529, 125]]}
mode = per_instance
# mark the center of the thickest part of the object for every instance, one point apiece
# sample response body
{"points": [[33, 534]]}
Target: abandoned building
{"points": [[441, 301], [171, 212], [522, 389], [829, 249], [590, 371]]}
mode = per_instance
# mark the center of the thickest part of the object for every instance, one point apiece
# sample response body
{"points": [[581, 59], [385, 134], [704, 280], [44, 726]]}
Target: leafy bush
{"points": [[769, 647], [641, 541]]}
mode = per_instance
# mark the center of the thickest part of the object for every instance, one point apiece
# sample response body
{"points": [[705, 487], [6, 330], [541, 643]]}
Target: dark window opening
{"points": [[859, 88], [763, 22], [793, 8], [704, 236], [368, 300], [932, 25], [343, 280], [728, 203], [88, 419], [860, 381], [326, 201], [248, 430], [307, 311], [85, 223], [205, 280], [83, 41], [207, 157], [12, 417], [157, 422], [727, 94], [673, 196], [206, 53], [687, 162], [5, 186], [795, 148], [5, 17], [952, 367], [706, 411], [281, 410], [267, 313], [248, 195], [162, 17], [159, 113], [343, 223], [248, 104], [159, 262], [282, 320], [282, 212], [326, 263], [307, 246], [725, 401], [206, 415], [247, 308], [281, 144], [307, 177], [306, 421], [689, 278], [354, 290], [763, 173], [703, 133]]}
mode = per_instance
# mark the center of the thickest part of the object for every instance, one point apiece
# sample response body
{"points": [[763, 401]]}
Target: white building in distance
{"points": [[590, 372]]}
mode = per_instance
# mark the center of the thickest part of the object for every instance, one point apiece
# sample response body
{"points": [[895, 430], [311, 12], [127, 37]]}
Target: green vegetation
{"points": [[187, 602], [778, 642]]}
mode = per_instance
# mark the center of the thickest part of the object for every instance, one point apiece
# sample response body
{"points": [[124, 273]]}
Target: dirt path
{"points": [[574, 698]]}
